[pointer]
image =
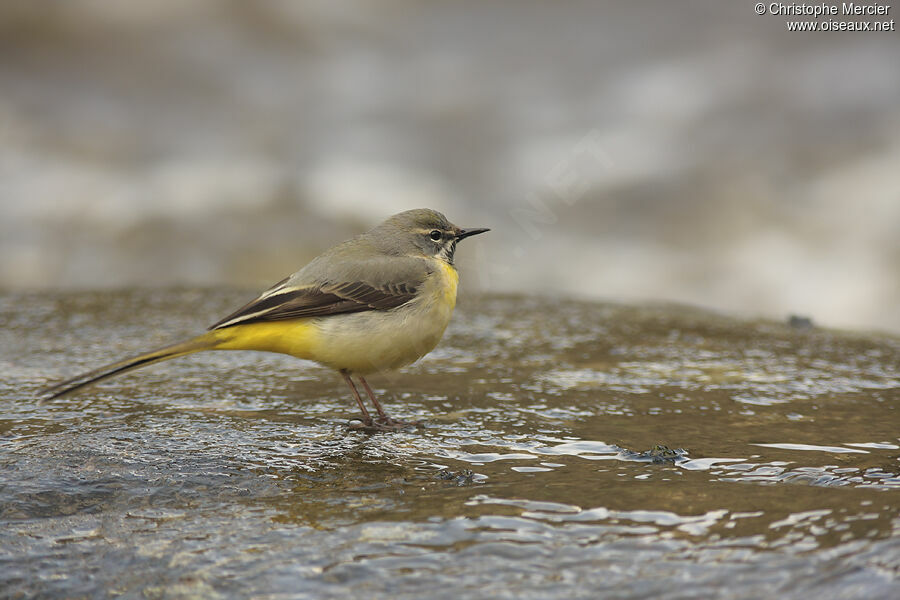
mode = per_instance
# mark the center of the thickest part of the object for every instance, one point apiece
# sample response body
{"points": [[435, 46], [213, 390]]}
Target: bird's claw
{"points": [[384, 424]]}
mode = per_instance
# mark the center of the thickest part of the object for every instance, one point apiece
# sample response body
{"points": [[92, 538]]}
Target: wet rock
{"points": [[800, 322], [463, 477]]}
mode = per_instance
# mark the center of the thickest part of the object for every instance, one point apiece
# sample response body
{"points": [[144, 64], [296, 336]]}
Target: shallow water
{"points": [[690, 151], [538, 471]]}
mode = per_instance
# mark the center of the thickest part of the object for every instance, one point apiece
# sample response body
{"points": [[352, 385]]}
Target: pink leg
{"points": [[384, 422], [367, 418], [387, 420]]}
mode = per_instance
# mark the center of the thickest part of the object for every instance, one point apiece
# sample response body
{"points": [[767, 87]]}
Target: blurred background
{"points": [[691, 151]]}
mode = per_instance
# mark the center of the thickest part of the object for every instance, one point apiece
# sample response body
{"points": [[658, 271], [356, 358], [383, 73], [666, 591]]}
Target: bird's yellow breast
{"points": [[372, 341], [448, 283]]}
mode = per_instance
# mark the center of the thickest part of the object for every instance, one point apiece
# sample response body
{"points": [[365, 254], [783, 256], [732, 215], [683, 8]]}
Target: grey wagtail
{"points": [[376, 302]]}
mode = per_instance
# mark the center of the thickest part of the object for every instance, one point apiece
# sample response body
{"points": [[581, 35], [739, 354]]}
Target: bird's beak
{"points": [[464, 233]]}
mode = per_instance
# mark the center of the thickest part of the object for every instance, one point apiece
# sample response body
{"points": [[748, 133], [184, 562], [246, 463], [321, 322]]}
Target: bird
{"points": [[374, 303]]}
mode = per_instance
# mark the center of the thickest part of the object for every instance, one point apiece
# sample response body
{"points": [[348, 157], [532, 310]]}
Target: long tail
{"points": [[207, 341]]}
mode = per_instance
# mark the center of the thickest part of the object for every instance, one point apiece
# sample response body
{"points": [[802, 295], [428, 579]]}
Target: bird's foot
{"points": [[383, 424]]}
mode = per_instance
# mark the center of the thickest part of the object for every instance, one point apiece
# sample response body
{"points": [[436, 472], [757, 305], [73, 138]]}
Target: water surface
{"points": [[568, 450]]}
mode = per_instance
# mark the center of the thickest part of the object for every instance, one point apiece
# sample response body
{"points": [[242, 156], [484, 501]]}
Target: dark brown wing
{"points": [[319, 301]]}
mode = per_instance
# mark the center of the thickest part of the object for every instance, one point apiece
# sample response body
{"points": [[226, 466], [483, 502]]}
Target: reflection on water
{"points": [[616, 456]]}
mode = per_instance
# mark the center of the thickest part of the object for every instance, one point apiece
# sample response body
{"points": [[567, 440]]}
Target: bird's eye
{"points": [[435, 235]]}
